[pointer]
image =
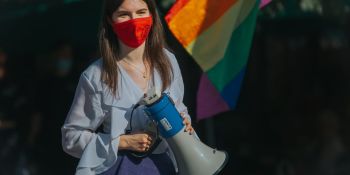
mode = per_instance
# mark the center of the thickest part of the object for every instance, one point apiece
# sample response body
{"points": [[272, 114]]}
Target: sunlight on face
{"points": [[130, 9]]}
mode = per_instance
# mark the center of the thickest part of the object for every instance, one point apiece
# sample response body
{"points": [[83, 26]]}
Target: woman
{"points": [[133, 61]]}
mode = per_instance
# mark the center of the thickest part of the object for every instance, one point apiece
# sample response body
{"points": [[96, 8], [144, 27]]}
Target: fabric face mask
{"points": [[133, 32]]}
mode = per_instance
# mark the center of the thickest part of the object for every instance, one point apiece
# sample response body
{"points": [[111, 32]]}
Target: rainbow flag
{"points": [[218, 35]]}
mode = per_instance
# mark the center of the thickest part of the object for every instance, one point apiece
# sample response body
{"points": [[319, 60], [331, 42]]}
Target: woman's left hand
{"points": [[187, 123]]}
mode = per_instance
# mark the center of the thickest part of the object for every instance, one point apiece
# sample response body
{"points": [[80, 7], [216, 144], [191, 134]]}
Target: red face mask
{"points": [[133, 32]]}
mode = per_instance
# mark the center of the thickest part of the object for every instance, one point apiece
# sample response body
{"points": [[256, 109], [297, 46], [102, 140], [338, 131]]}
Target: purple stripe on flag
{"points": [[264, 2], [209, 100]]}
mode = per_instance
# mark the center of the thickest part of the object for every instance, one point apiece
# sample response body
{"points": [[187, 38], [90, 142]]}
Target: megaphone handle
{"points": [[128, 131]]}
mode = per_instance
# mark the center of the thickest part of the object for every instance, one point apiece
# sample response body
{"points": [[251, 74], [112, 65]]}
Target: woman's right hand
{"points": [[138, 141]]}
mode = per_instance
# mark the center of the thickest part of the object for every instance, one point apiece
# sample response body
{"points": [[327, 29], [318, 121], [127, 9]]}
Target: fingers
{"points": [[140, 141], [142, 137], [145, 142], [146, 148], [185, 119], [145, 139], [191, 131], [148, 139], [187, 123], [143, 147], [188, 128]]}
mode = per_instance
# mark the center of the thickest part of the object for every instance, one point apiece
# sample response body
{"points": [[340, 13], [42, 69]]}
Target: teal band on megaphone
{"points": [[166, 115]]}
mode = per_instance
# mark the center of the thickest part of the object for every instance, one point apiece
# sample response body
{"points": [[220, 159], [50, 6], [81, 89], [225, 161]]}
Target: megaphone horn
{"points": [[192, 156]]}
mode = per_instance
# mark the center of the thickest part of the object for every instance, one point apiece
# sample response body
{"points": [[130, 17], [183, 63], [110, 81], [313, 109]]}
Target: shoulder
{"points": [[173, 61], [93, 73], [93, 70], [170, 56]]}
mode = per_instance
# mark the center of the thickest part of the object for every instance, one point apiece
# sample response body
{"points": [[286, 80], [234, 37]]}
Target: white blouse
{"points": [[94, 105]]}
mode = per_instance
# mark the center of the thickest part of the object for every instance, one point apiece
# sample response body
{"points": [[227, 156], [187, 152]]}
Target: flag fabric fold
{"points": [[218, 35]]}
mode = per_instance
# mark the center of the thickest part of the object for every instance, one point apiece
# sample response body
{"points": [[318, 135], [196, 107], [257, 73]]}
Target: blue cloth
{"points": [[154, 164]]}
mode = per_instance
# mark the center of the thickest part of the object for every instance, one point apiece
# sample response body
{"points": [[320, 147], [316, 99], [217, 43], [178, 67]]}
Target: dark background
{"points": [[292, 114]]}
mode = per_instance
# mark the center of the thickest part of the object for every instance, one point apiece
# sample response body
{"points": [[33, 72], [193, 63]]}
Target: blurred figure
{"points": [[331, 146], [63, 61], [8, 134], [322, 154], [13, 132], [54, 96]]}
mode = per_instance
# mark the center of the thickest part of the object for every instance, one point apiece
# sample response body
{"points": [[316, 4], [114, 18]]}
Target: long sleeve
{"points": [[97, 151], [177, 87], [83, 118]]}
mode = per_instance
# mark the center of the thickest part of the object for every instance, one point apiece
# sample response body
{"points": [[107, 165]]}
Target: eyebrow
{"points": [[126, 11], [142, 9]]}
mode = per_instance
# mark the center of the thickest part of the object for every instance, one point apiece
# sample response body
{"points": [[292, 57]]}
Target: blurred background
{"points": [[291, 117]]}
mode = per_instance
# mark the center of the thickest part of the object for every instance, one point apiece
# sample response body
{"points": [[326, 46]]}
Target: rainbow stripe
{"points": [[218, 35]]}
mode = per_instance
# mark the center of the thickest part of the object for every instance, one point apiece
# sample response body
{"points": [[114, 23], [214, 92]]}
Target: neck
{"points": [[134, 55]]}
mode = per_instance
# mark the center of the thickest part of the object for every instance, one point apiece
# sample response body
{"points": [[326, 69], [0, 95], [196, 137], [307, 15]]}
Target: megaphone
{"points": [[192, 156]]}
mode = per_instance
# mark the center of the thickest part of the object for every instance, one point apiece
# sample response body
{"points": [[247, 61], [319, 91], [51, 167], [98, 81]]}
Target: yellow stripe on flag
{"points": [[210, 47]]}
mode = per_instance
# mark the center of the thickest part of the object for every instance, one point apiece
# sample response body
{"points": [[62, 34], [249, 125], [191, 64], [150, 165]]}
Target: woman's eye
{"points": [[122, 15], [142, 12]]}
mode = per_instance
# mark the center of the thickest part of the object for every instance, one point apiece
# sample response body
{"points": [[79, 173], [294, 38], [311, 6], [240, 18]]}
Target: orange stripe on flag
{"points": [[179, 4], [196, 16]]}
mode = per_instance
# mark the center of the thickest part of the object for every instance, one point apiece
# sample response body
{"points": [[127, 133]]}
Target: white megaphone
{"points": [[192, 156]]}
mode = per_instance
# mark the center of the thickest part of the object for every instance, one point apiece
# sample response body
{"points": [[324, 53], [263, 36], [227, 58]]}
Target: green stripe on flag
{"points": [[237, 52]]}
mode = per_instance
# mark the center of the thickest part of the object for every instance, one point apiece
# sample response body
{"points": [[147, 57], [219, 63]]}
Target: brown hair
{"points": [[109, 47]]}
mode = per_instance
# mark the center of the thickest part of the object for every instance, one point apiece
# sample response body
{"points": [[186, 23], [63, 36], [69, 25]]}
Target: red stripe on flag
{"points": [[175, 9]]}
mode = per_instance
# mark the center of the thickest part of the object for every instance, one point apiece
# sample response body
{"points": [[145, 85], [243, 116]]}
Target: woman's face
{"points": [[130, 9]]}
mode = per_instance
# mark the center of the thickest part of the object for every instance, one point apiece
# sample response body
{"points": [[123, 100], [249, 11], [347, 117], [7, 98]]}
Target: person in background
{"points": [[15, 123], [55, 92], [8, 134]]}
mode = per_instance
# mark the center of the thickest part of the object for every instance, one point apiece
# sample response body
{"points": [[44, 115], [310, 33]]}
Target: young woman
{"points": [[133, 60]]}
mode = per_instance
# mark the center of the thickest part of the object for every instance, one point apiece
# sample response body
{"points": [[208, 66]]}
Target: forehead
{"points": [[132, 5]]}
